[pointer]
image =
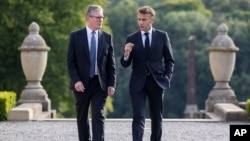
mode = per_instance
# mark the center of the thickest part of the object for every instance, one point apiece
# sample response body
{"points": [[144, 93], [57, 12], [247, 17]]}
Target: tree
{"points": [[122, 20], [181, 5], [235, 13], [56, 18], [180, 24]]}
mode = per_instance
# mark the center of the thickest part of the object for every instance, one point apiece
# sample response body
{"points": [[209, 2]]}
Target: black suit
{"points": [[151, 75], [78, 61]]}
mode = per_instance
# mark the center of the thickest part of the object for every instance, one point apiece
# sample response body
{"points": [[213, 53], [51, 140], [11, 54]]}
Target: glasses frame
{"points": [[97, 17]]}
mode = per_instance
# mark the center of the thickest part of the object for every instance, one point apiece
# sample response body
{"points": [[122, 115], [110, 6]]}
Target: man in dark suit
{"points": [[149, 50], [91, 67]]}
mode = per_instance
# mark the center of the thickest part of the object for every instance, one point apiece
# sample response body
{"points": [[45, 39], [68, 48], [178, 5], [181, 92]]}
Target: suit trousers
{"points": [[97, 98], [155, 94]]}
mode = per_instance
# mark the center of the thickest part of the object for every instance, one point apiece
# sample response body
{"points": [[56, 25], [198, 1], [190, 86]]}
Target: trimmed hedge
{"points": [[248, 109], [7, 102]]}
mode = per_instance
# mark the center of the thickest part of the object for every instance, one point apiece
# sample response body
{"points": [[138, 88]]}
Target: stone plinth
{"points": [[220, 96], [230, 112], [30, 111], [27, 111]]}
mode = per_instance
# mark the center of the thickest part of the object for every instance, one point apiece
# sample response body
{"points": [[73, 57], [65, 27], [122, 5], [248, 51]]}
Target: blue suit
{"points": [[151, 75], [78, 62]]}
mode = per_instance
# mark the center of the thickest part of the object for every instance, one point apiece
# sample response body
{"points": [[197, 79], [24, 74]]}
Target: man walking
{"points": [[149, 50], [91, 67]]}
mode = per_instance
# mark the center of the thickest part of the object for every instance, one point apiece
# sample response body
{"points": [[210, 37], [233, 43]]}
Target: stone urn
{"points": [[222, 57], [34, 52]]}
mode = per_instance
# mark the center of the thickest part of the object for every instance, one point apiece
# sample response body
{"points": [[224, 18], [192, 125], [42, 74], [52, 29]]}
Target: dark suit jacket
{"points": [[159, 60], [78, 59]]}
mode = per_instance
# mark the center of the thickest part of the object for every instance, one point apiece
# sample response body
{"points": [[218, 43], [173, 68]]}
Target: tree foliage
{"points": [[56, 18], [122, 20], [181, 26], [180, 18]]}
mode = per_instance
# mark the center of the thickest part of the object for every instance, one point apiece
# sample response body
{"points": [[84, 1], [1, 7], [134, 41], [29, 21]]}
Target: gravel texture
{"points": [[115, 130]]}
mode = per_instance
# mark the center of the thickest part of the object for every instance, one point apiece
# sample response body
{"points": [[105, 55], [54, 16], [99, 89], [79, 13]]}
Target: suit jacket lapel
{"points": [[154, 37], [84, 43], [101, 44], [141, 45]]}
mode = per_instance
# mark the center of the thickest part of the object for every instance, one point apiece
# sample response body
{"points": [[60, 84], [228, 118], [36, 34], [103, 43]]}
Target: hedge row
{"points": [[7, 101], [248, 109]]}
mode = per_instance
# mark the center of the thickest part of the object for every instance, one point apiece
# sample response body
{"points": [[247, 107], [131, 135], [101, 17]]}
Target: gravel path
{"points": [[115, 130]]}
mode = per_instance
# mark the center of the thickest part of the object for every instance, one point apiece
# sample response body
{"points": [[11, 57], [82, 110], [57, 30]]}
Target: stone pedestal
{"points": [[34, 53], [222, 56], [220, 96], [39, 95]]}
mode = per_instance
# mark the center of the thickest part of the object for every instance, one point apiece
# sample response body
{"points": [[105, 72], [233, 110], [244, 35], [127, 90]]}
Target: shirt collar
{"points": [[89, 31], [150, 31]]}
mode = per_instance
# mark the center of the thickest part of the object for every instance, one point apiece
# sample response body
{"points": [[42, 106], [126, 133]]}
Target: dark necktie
{"points": [[147, 46], [92, 54]]}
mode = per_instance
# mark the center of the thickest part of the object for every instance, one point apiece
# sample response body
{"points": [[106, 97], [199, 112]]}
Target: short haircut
{"points": [[146, 10], [93, 8]]}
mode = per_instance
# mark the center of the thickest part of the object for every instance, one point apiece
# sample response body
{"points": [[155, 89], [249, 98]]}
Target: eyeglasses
{"points": [[97, 17]]}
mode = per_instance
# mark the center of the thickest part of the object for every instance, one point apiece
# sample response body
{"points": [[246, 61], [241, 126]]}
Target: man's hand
{"points": [[111, 91], [79, 86], [128, 48]]}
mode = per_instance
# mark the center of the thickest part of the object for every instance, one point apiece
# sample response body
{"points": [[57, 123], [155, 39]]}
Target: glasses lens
{"points": [[97, 17]]}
